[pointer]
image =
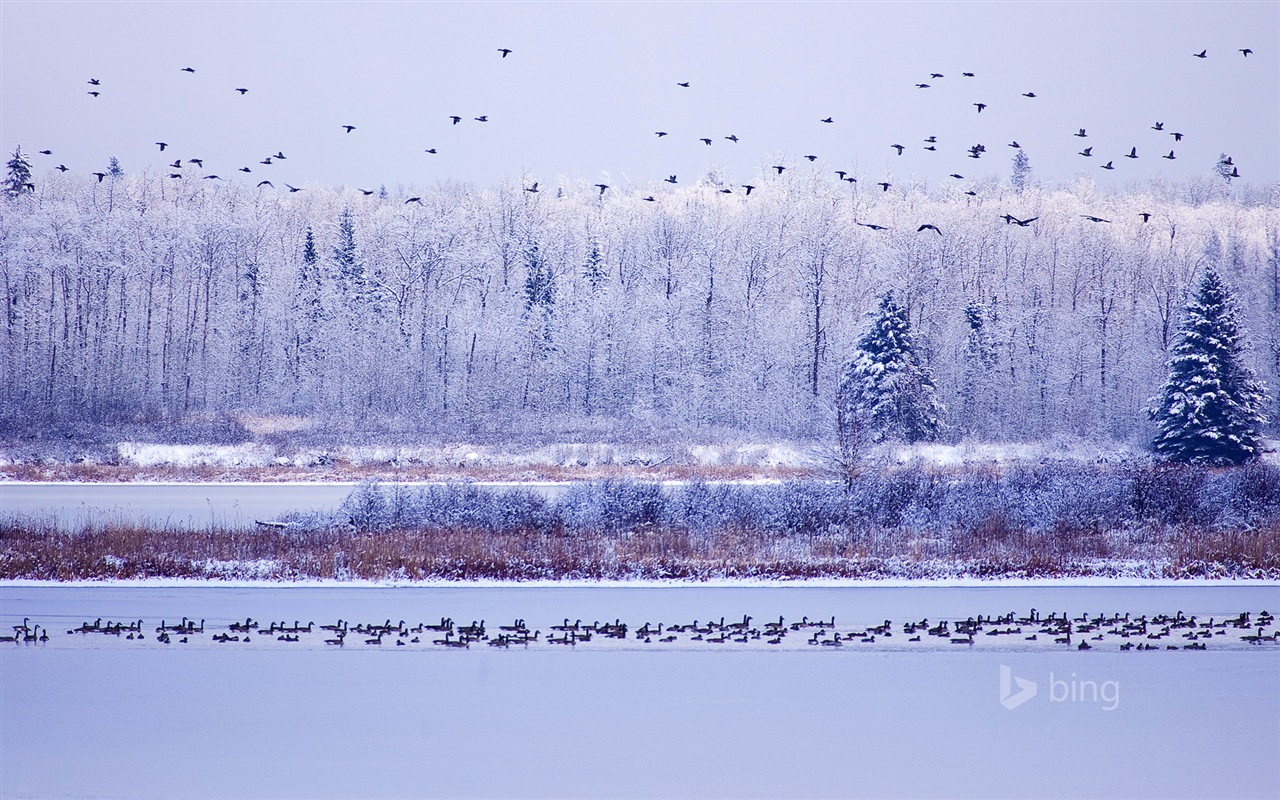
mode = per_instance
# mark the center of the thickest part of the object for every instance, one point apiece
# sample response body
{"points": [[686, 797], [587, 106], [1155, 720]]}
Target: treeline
{"points": [[137, 300]]}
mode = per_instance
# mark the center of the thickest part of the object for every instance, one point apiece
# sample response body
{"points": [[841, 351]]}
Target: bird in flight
{"points": [[1146, 216], [1088, 151], [1246, 51], [96, 82], [928, 227], [280, 155], [212, 178], [935, 75], [162, 145], [967, 74], [922, 86], [506, 51], [1092, 218], [726, 190], [1133, 153], [245, 169], [884, 186], [685, 84], [602, 187], [482, 118], [649, 199], [1009, 218], [417, 200], [46, 152], [841, 173], [349, 128], [430, 150], [980, 106], [175, 174], [1159, 126], [748, 187], [1015, 144], [1171, 156], [1108, 166], [95, 94], [269, 183], [670, 179], [266, 161], [292, 188], [1201, 54], [199, 162], [100, 176], [1081, 133], [931, 140], [659, 134], [188, 69], [456, 119], [61, 168], [1028, 94], [732, 137], [898, 147], [779, 168], [707, 142], [533, 188], [873, 227], [1177, 137], [812, 158], [957, 176], [177, 164], [828, 120], [242, 92]]}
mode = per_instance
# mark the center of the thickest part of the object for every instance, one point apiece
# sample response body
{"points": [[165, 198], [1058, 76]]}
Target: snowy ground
{"points": [[88, 714]]}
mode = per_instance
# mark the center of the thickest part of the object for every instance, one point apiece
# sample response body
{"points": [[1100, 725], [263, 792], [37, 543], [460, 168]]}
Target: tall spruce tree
{"points": [[18, 179], [1210, 410], [885, 392]]}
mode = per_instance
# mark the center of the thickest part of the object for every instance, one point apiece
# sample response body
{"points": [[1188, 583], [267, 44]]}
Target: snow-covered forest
{"points": [[504, 311]]}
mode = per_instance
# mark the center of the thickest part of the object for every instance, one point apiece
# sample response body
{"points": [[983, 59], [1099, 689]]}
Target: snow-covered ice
{"points": [[102, 718]]}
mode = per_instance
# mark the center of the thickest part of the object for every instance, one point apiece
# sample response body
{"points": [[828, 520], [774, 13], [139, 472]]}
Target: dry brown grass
{"points": [[993, 549]]}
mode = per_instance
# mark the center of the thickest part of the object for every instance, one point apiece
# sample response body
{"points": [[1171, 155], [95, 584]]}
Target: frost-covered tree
{"points": [[1224, 168], [885, 393], [593, 268], [1021, 175], [539, 282], [980, 355], [18, 179], [1210, 410], [114, 169]]}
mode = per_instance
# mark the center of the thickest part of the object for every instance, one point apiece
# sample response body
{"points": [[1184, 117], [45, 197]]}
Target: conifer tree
{"points": [[1210, 409], [18, 179], [539, 283], [885, 392], [980, 358], [114, 169], [593, 269], [1021, 171]]}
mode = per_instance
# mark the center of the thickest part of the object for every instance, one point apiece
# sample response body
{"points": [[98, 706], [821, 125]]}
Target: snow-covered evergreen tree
{"points": [[18, 179], [1210, 410], [593, 269], [980, 356], [1021, 175], [114, 169], [885, 392]]}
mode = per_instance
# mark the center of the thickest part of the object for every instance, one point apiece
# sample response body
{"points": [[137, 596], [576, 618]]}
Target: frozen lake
{"points": [[187, 505], [103, 717]]}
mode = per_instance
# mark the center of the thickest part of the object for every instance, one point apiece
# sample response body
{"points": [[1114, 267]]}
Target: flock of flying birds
{"points": [[930, 144]]}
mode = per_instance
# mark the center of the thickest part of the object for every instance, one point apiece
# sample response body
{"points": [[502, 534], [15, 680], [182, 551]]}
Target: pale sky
{"points": [[587, 85]]}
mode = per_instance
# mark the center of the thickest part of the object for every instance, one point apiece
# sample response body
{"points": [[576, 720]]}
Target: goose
{"points": [[348, 128], [827, 120], [980, 106], [506, 51], [95, 94], [1133, 153], [242, 91], [1108, 165], [1201, 54], [1171, 156]]}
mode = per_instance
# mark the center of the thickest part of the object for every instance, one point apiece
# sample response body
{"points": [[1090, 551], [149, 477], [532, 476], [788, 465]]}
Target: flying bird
{"points": [[199, 162], [175, 174], [812, 158], [188, 69], [1171, 156], [1226, 160], [242, 92], [931, 140], [1159, 126], [841, 173], [212, 178], [506, 51], [365, 192], [898, 147], [1015, 144], [922, 86], [430, 150], [95, 94], [884, 185], [1009, 218], [1133, 153], [456, 119], [685, 84], [46, 152], [602, 187], [1028, 94], [96, 82], [726, 190], [828, 120], [1081, 133], [932, 148], [1108, 165], [162, 145], [733, 138], [1092, 218], [1235, 172], [1177, 137], [670, 179], [533, 188], [649, 199], [873, 227], [748, 187], [779, 168], [100, 176], [417, 200], [980, 106], [1088, 151], [292, 188], [482, 118], [177, 164], [659, 134], [266, 161], [267, 183], [1201, 54], [61, 168], [707, 142], [967, 74], [1146, 216], [957, 176], [349, 128], [1246, 51], [928, 227], [280, 155], [935, 75], [245, 169]]}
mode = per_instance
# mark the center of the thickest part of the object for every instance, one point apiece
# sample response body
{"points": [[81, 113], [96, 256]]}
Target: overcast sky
{"points": [[587, 85]]}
